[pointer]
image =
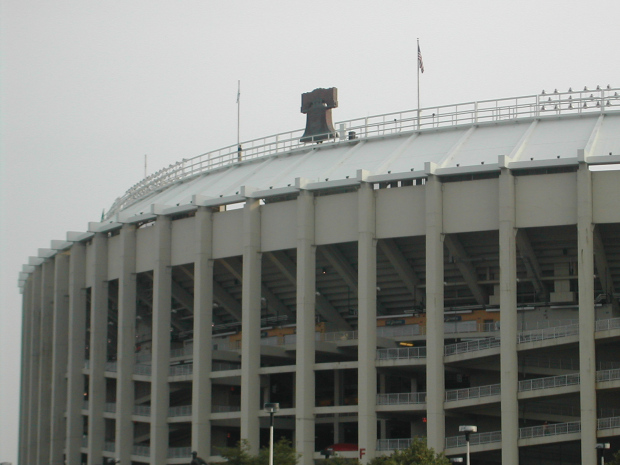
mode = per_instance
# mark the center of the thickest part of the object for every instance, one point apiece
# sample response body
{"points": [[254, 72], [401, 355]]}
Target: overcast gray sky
{"points": [[89, 87]]}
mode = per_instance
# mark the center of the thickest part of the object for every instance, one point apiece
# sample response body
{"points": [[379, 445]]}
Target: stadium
{"points": [[403, 276]]}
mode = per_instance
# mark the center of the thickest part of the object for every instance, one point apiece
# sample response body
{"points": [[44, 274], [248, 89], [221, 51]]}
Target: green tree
{"points": [[417, 453], [283, 454], [615, 460], [238, 455]]}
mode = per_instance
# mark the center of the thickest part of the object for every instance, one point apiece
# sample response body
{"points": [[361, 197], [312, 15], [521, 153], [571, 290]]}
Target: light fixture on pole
{"points": [[600, 449], [468, 429], [271, 408]]}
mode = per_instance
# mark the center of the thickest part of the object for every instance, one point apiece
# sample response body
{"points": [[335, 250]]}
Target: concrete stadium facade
{"points": [[456, 266]]}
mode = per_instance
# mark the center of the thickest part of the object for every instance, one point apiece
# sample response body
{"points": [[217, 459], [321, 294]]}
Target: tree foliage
{"points": [[283, 454], [615, 460], [417, 453]]}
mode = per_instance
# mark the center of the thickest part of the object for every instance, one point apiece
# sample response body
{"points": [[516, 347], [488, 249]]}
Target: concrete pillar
{"points": [[160, 370], [24, 410], [435, 375], [250, 325], [45, 367], [587, 348], [306, 297], [60, 344], [367, 323], [126, 344], [35, 365], [203, 320], [96, 275], [508, 313], [77, 334]]}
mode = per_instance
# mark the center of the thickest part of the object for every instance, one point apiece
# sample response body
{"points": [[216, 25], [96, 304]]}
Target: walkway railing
{"points": [[179, 452], [141, 451], [142, 410], [401, 398], [473, 392], [393, 444], [109, 446], [471, 346], [513, 108], [608, 423], [548, 333], [180, 411], [401, 353], [225, 408], [178, 370], [604, 325], [474, 439], [608, 375], [550, 430], [549, 382]]}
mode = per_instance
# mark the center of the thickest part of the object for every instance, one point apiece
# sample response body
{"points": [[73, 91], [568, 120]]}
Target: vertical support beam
{"points": [[26, 379], [162, 299], [45, 368], [509, 367], [203, 320], [587, 349], [77, 332], [306, 300], [367, 321], [35, 365], [97, 276], [435, 375], [60, 356], [126, 341], [250, 324]]}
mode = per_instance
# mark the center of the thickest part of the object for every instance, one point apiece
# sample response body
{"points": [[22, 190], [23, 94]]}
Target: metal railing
{"points": [[471, 346], [224, 366], [474, 439], [109, 407], [550, 430], [183, 351], [401, 353], [401, 398], [401, 331], [142, 410], [141, 451], [225, 408], [111, 367], [608, 423], [473, 392], [109, 446], [338, 336], [179, 452], [485, 111], [548, 333], [608, 375], [180, 411], [604, 325], [178, 370], [549, 382], [139, 369], [393, 444]]}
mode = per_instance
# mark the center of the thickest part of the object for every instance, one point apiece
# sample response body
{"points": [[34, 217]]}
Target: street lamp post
{"points": [[600, 449], [271, 408], [468, 429]]}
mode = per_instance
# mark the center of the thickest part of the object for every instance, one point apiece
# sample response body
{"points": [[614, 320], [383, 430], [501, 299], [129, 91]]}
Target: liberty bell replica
{"points": [[317, 105]]}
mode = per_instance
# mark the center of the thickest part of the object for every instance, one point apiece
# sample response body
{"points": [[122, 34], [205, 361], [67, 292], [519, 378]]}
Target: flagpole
{"points": [[418, 66], [238, 120]]}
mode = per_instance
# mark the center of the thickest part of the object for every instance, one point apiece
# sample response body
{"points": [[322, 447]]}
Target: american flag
{"points": [[420, 62]]}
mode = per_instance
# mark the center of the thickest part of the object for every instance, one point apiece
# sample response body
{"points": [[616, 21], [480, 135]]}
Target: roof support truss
{"points": [[402, 267], [531, 264], [466, 268]]}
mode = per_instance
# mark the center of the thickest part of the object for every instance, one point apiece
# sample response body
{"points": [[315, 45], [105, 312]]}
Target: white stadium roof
{"points": [[532, 131]]}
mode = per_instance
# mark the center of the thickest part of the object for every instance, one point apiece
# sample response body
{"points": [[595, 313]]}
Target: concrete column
{"points": [[338, 400], [60, 344], [508, 313], [77, 335], [45, 368], [306, 297], [203, 320], [162, 295], [126, 340], [96, 272], [250, 325], [587, 348], [35, 365], [435, 375], [367, 322], [24, 411]]}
